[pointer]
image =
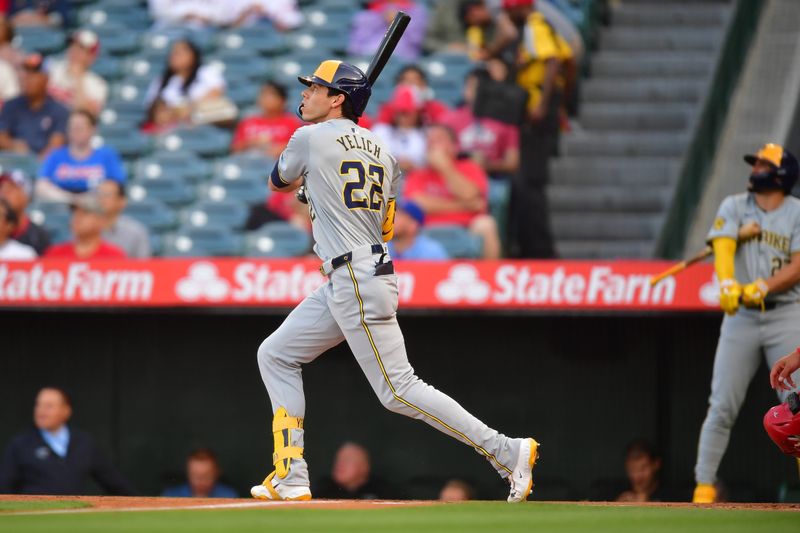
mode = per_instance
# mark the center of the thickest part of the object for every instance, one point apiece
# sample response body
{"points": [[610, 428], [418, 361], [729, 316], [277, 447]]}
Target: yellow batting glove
{"points": [[753, 294], [729, 293]]}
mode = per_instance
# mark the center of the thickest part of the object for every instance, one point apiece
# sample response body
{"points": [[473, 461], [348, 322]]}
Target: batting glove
{"points": [[753, 294], [729, 293]]}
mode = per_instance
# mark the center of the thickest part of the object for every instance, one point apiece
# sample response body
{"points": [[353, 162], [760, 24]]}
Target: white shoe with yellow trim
{"points": [[272, 489], [521, 479]]}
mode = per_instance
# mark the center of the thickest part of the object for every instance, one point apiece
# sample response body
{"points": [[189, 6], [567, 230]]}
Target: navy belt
{"points": [[332, 264]]}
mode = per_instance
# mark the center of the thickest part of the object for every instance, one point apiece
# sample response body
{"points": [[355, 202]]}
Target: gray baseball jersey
{"points": [[750, 332], [779, 239], [349, 176]]}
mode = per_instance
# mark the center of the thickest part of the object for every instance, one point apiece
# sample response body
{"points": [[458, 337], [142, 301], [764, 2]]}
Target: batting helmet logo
{"points": [[782, 423], [343, 77]]}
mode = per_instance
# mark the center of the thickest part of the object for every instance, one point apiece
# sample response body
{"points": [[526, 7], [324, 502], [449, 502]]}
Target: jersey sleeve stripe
{"points": [[276, 179]]}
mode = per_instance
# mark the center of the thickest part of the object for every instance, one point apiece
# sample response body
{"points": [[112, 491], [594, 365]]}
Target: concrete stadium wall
{"points": [[152, 385]]}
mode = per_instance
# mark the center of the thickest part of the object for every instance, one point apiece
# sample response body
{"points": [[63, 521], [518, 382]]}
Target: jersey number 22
{"points": [[357, 193]]}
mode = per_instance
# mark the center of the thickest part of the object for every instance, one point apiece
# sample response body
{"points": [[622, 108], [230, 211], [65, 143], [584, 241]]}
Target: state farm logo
{"points": [[463, 284], [709, 292], [202, 282]]}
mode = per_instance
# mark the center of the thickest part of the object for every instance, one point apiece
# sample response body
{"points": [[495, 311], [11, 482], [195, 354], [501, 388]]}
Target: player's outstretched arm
{"points": [[781, 375]]}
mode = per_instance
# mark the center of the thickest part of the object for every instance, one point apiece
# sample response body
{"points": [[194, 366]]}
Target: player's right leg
{"points": [[735, 363], [308, 331]]}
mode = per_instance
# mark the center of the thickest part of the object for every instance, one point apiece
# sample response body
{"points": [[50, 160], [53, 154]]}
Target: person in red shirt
{"points": [[492, 144], [453, 191], [87, 224], [432, 110], [268, 132]]}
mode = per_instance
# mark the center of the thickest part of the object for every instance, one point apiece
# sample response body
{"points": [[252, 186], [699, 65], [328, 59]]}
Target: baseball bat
{"points": [[746, 232], [387, 46]]}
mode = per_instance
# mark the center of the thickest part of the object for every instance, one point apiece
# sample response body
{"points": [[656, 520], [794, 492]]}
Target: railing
{"points": [[700, 154]]}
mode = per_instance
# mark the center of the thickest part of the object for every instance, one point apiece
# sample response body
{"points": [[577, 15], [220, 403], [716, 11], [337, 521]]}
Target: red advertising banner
{"points": [[531, 285]]}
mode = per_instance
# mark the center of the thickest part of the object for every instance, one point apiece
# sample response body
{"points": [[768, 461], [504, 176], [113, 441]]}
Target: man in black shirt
{"points": [[54, 458], [15, 188]]}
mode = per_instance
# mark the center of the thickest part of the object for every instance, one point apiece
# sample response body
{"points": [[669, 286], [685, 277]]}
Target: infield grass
{"points": [[483, 517]]}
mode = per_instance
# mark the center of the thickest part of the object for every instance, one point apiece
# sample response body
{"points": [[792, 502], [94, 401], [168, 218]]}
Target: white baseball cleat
{"points": [[521, 479], [271, 489]]}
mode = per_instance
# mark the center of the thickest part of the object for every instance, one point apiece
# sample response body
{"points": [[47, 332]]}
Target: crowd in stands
{"points": [[204, 83]]}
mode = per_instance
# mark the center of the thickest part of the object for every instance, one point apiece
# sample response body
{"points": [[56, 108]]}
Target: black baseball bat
{"points": [[387, 46]]}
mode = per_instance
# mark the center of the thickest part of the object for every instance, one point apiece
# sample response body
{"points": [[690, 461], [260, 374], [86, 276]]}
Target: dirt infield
{"points": [[125, 503]]}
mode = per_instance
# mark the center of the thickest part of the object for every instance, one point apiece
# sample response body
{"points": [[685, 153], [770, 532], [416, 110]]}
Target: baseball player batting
{"points": [[351, 180], [760, 294]]}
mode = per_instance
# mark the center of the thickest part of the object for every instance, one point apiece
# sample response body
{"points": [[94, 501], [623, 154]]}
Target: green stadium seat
{"points": [[457, 241], [244, 165], [152, 213], [247, 190], [117, 38], [182, 164], [201, 242], [25, 162], [206, 141], [53, 217], [268, 43], [277, 239], [129, 143], [42, 39], [227, 213], [173, 191]]}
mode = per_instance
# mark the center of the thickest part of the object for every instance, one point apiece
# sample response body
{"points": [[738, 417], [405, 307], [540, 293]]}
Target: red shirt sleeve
{"points": [[238, 136], [474, 173], [414, 183]]}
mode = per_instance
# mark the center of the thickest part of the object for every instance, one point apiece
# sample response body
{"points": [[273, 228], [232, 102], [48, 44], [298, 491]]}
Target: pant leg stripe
{"points": [[391, 387]]}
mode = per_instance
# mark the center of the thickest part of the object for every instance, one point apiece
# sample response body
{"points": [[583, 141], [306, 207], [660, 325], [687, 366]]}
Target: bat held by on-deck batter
{"points": [[746, 232]]}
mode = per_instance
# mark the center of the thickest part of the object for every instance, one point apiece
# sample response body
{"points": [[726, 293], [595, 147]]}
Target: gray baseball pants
{"points": [[360, 307], [742, 339]]}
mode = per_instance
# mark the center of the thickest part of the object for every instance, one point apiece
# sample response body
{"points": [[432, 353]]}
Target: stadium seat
{"points": [[248, 190], [277, 239], [110, 117], [268, 43], [171, 190], [128, 143], [457, 241], [240, 64], [53, 217], [243, 93], [206, 141], [201, 242], [182, 164], [131, 16], [25, 162], [141, 66], [156, 244], [152, 213], [117, 38], [107, 67], [42, 39], [228, 213], [128, 93], [245, 165]]}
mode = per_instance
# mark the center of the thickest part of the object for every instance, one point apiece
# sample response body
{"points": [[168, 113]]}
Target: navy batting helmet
{"points": [[784, 172], [343, 77]]}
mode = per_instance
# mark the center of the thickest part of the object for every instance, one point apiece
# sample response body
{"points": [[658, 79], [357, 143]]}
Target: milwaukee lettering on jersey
{"points": [[357, 142]]}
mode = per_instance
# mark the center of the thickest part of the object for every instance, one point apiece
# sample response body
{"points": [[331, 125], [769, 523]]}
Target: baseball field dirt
{"points": [[21, 514]]}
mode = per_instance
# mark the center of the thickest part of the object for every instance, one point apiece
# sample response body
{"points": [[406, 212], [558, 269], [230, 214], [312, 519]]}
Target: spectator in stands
{"points": [[444, 31], [456, 490], [54, 457], [72, 82], [283, 14], [33, 122], [121, 230], [9, 52], [371, 24], [268, 132], [494, 145], [39, 12], [432, 110], [408, 243], [404, 133], [453, 190], [202, 475], [195, 14], [537, 58], [78, 167], [16, 188], [87, 225], [642, 465], [351, 477], [186, 84], [9, 83], [10, 249], [161, 118]]}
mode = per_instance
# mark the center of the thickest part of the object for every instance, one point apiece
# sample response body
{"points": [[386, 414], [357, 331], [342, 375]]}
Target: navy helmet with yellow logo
{"points": [[783, 171], [343, 77]]}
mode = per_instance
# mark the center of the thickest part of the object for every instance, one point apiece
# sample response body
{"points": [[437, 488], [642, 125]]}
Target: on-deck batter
{"points": [[764, 274], [351, 180]]}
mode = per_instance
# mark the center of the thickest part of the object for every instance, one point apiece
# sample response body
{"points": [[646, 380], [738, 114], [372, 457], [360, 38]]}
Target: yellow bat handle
{"points": [[667, 273]]}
